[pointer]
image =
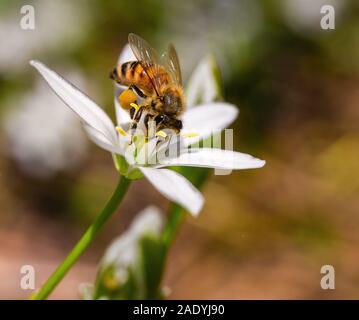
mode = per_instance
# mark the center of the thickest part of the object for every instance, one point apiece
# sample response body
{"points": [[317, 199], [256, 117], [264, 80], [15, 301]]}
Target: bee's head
{"points": [[171, 103], [171, 100]]}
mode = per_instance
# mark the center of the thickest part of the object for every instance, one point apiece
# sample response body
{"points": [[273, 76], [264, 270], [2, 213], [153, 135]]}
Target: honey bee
{"points": [[157, 81]]}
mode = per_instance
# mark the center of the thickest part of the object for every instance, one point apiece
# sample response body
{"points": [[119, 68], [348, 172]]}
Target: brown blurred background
{"points": [[263, 233]]}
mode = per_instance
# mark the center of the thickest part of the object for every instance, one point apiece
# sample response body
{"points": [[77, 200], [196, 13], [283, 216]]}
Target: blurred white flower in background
{"points": [[124, 270], [44, 137], [52, 31], [124, 253]]}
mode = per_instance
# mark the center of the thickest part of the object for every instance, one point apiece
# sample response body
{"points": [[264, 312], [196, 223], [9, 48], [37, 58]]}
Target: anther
{"points": [[121, 131], [190, 135], [161, 133]]}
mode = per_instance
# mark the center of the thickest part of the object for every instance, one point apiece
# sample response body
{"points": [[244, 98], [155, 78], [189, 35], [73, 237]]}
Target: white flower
{"points": [[123, 252], [123, 272], [142, 158]]}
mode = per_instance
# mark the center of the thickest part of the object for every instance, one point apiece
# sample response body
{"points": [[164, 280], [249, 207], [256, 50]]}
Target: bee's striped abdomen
{"points": [[132, 72]]}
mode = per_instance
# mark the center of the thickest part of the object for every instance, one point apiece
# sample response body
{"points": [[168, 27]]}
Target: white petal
{"points": [[82, 105], [207, 119], [176, 188], [202, 86], [101, 140], [126, 55], [215, 158], [122, 116]]}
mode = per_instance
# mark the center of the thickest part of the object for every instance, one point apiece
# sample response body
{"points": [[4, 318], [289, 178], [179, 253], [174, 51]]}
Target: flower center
{"points": [[144, 145]]}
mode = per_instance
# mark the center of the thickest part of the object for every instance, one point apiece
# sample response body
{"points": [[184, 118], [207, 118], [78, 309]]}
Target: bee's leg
{"points": [[138, 114], [135, 114], [145, 121], [133, 125], [133, 111], [137, 91]]}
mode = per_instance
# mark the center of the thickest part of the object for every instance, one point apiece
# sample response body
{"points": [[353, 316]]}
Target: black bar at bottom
{"points": [[179, 309]]}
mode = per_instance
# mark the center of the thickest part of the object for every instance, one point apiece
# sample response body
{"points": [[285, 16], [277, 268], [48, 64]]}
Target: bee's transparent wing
{"points": [[148, 58], [171, 63]]}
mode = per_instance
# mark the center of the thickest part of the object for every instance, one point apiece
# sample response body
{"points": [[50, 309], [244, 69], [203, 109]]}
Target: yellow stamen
{"points": [[190, 134], [161, 134], [121, 131]]}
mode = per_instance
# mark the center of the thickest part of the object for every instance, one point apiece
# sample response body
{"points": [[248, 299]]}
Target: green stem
{"points": [[85, 241], [175, 219]]}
